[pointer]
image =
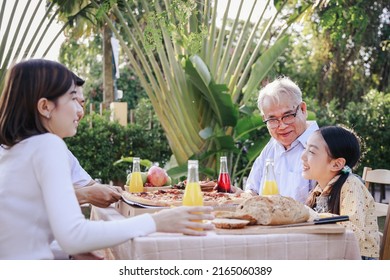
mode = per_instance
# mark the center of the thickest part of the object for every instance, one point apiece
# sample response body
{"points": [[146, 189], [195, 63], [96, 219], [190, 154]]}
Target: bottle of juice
{"points": [[136, 185], [270, 187], [224, 184], [192, 194]]}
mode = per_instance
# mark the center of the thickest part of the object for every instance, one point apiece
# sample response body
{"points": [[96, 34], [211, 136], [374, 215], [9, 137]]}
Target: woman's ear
{"points": [[45, 107], [338, 164]]}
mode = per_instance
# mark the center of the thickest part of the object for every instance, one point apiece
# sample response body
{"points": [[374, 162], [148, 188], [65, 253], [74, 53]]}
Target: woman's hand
{"points": [[184, 219], [87, 256]]}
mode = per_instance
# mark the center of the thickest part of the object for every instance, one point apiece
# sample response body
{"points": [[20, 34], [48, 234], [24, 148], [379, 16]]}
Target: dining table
{"points": [[286, 245]]}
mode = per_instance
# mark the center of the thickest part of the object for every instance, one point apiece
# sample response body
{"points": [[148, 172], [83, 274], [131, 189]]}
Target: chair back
{"points": [[385, 245], [380, 176]]}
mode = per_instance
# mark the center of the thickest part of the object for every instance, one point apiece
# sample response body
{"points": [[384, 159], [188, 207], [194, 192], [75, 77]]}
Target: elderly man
{"points": [[285, 114]]}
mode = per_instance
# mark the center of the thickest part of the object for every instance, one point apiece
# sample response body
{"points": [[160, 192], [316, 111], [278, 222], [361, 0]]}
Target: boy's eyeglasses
{"points": [[286, 119]]}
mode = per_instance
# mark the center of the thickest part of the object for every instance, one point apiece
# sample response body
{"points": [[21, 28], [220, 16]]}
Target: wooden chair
{"points": [[377, 176], [380, 176]]}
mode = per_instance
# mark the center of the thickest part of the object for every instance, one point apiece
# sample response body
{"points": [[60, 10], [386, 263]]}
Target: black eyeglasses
{"points": [[286, 119]]}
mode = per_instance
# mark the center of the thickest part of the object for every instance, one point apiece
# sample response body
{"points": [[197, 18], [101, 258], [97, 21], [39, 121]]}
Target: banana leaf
{"points": [[246, 125], [263, 65], [181, 171], [196, 94], [217, 96], [144, 162], [254, 151]]}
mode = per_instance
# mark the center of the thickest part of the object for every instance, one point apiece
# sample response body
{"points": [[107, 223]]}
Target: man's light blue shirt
{"points": [[288, 167], [80, 177]]}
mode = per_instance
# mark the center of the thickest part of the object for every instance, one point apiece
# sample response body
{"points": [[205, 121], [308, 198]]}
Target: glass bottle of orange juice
{"points": [[192, 194], [270, 186], [136, 184]]}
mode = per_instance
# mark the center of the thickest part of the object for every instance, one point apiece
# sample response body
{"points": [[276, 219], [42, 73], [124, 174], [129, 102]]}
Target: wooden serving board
{"points": [[127, 210], [252, 230]]}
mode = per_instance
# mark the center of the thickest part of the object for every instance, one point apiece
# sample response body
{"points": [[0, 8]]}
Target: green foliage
{"points": [[100, 142], [82, 55], [85, 55], [340, 53], [133, 92], [354, 32], [261, 67], [193, 107], [216, 96], [176, 26], [97, 145], [370, 120], [341, 17]]}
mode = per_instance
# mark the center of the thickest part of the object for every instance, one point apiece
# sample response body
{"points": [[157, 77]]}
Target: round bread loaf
{"points": [[269, 210], [274, 210]]}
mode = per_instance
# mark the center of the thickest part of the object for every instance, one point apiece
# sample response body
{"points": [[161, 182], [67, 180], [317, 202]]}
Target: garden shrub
{"points": [[370, 119], [100, 142]]}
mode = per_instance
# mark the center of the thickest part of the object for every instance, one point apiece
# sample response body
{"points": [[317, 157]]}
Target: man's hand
{"points": [[98, 195], [233, 189], [236, 189]]}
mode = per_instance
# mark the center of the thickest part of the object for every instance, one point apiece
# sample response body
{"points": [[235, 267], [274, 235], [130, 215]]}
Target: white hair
{"points": [[280, 89]]}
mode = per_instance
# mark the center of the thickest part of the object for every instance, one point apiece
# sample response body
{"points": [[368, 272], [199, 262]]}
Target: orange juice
{"points": [[136, 185], [193, 197], [270, 188]]}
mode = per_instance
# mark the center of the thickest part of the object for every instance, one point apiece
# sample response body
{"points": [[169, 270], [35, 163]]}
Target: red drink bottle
{"points": [[224, 184]]}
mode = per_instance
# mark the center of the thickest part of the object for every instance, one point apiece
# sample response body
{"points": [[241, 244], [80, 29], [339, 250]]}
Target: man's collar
{"points": [[312, 126]]}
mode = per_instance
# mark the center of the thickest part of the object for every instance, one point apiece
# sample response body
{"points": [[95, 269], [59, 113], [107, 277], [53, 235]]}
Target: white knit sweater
{"points": [[38, 205]]}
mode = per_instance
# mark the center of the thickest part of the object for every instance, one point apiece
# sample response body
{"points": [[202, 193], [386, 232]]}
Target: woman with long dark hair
{"points": [[39, 107]]}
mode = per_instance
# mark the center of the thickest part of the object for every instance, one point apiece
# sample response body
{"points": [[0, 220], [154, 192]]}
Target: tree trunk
{"points": [[108, 83]]}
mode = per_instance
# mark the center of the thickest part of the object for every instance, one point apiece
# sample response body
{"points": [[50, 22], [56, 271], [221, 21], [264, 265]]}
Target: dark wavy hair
{"points": [[344, 143], [26, 83]]}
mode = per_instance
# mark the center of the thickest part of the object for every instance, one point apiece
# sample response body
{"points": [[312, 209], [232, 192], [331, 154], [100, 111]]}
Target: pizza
{"points": [[174, 197], [205, 186]]}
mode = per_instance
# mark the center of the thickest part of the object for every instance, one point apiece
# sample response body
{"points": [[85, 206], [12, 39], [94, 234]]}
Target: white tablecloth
{"points": [[297, 246]]}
